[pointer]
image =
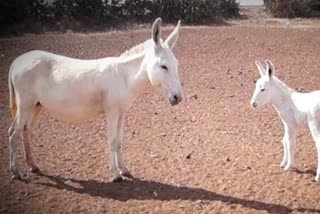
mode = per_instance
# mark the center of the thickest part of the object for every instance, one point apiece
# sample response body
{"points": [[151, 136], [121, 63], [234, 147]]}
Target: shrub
{"points": [[292, 8], [104, 12]]}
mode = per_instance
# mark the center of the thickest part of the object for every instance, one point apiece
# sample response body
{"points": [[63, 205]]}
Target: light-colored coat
{"points": [[75, 90], [295, 109]]}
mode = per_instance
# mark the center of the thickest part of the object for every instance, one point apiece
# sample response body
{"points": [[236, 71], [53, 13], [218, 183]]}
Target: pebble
{"points": [[3, 209], [194, 96]]}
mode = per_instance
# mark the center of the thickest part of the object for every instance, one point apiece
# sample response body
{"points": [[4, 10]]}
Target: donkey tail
{"points": [[13, 104]]}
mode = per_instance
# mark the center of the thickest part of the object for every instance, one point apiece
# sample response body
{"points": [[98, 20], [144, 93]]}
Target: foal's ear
{"points": [[261, 69], [156, 32], [173, 37], [270, 67]]}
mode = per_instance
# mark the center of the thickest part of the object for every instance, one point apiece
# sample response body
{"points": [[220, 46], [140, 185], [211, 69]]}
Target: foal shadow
{"points": [[151, 190]]}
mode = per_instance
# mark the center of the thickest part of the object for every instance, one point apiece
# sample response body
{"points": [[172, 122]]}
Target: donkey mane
{"points": [[136, 49], [282, 84]]}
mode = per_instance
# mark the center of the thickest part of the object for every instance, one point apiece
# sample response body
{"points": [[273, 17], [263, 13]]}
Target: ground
{"points": [[212, 153]]}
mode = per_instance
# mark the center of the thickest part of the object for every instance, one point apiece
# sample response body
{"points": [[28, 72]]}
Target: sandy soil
{"points": [[210, 154]]}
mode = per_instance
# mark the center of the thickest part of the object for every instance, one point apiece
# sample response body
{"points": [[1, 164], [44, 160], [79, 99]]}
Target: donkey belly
{"points": [[72, 106], [73, 113]]}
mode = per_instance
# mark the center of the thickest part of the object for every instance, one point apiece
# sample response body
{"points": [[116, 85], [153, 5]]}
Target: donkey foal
{"points": [[294, 108]]}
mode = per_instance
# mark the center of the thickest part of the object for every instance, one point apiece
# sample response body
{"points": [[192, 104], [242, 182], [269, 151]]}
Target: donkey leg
{"points": [[317, 178], [290, 144], [27, 151], [32, 122], [285, 153], [112, 121], [16, 131], [314, 127], [13, 135], [123, 169]]}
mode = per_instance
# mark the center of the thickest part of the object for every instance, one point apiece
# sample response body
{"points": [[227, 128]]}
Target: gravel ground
{"points": [[210, 154]]}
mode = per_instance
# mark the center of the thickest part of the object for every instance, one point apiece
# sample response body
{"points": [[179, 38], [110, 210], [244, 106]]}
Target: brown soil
{"points": [[210, 154]]}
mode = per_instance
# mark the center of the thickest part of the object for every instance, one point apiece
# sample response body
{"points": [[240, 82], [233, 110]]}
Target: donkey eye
{"points": [[164, 67], [262, 89]]}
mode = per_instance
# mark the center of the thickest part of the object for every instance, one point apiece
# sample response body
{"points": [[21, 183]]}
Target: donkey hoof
{"points": [[127, 174], [35, 169], [283, 164], [117, 179], [287, 168], [16, 176]]}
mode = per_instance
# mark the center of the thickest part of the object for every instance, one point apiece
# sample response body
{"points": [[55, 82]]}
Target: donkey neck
{"points": [[281, 98], [133, 71]]}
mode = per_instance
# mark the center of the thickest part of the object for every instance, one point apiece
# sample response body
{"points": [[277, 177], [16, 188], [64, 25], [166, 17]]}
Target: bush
{"points": [[292, 8], [104, 12]]}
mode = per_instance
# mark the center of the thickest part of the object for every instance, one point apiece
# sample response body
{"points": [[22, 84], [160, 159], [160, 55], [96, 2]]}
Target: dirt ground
{"points": [[210, 154]]}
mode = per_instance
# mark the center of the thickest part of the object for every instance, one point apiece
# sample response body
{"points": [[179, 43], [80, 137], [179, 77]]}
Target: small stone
{"points": [[194, 96], [228, 159], [181, 205], [248, 167], [163, 134], [199, 201], [193, 119], [212, 87], [188, 156], [3, 209]]}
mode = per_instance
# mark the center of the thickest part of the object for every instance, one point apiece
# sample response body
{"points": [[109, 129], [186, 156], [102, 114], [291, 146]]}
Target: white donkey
{"points": [[75, 90], [294, 108]]}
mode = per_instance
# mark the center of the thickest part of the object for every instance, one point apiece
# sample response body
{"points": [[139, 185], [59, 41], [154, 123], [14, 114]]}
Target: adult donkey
{"points": [[75, 90]]}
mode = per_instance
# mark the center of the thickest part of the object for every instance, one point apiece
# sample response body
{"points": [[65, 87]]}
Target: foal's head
{"points": [[264, 85], [162, 65]]}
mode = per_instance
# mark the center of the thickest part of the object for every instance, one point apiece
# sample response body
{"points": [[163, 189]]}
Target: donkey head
{"points": [[162, 65], [264, 85]]}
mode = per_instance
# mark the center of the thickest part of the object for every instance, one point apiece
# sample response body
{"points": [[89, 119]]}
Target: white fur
{"points": [[75, 90], [294, 108]]}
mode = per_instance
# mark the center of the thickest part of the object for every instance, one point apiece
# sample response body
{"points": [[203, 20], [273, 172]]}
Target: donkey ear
{"points": [[156, 32], [261, 69], [173, 37], [270, 67]]}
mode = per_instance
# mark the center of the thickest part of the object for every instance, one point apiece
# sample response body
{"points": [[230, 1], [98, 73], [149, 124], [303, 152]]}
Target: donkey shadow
{"points": [[152, 190], [308, 171]]}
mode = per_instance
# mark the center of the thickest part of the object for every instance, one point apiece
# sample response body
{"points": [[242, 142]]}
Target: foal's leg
{"points": [[289, 137], [314, 127], [112, 120], [123, 169]]}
